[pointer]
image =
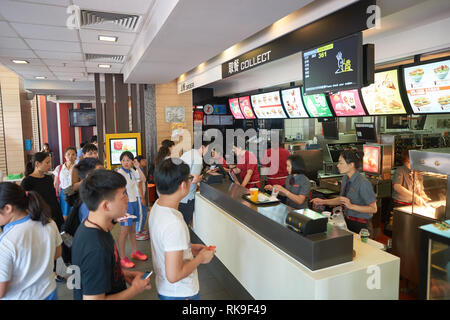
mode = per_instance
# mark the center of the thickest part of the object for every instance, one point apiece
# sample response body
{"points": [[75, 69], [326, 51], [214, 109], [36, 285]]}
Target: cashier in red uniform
{"points": [[357, 195], [277, 168], [247, 167]]}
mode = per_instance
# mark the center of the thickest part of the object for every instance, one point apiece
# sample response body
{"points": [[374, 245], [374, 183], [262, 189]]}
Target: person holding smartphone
{"points": [[357, 195]]}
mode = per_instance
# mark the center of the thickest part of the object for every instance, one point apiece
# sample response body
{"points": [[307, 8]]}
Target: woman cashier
{"points": [[278, 173], [297, 184], [247, 166], [357, 195]]}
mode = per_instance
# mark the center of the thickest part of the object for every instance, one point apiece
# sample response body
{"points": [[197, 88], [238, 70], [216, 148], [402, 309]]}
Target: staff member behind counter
{"points": [[279, 176], [297, 184], [357, 195], [247, 167]]}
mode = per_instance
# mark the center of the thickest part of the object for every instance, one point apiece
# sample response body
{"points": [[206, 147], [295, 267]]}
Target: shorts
{"points": [[65, 208], [133, 209]]}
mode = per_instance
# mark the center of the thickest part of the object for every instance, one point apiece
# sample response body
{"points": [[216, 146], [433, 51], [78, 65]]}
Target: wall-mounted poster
{"points": [[175, 114]]}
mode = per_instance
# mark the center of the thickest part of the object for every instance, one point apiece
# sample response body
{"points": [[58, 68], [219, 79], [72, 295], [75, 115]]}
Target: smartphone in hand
{"points": [[147, 275]]}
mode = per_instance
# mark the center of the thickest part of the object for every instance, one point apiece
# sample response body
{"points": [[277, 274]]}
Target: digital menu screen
{"points": [[383, 96], [244, 103], [335, 66], [428, 87], [347, 103], [293, 103], [371, 160], [268, 106], [234, 107], [366, 132], [316, 105], [330, 130], [117, 146]]}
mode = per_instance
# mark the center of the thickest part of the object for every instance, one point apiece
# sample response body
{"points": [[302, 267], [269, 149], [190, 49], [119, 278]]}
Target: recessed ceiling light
{"points": [[40, 78], [20, 61], [107, 38], [105, 66]]}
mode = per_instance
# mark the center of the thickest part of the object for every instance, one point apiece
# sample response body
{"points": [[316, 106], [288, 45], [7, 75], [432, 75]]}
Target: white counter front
{"points": [[267, 272]]}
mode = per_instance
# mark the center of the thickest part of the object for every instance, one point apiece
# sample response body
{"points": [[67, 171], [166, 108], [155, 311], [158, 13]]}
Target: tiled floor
{"points": [[210, 288]]}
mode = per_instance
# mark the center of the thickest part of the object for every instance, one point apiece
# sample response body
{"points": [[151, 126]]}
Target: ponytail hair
{"points": [[162, 154], [39, 157], [33, 203], [353, 156]]}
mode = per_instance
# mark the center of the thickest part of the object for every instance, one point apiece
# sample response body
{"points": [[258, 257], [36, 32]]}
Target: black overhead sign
{"points": [[329, 28]]}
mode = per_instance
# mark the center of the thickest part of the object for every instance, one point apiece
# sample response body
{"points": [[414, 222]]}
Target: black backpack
{"points": [[69, 228]]}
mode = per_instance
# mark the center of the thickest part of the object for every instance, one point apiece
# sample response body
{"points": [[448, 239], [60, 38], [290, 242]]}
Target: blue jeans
{"points": [[196, 297], [53, 295]]}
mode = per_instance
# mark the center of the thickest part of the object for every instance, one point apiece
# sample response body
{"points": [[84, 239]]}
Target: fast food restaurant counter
{"points": [[268, 260]]}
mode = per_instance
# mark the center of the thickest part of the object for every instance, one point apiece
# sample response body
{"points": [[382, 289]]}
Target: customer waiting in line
{"points": [[139, 163], [135, 208], [63, 178], [29, 245], [89, 151], [172, 252], [94, 250], [297, 185], [39, 181], [194, 159]]}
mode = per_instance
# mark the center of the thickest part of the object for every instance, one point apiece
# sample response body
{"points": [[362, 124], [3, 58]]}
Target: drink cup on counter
{"points": [[327, 214], [254, 194], [275, 192], [364, 234]]}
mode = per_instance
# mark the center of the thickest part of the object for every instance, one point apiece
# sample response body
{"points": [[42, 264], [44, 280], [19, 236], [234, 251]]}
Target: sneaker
{"points": [[145, 232], [126, 263], [141, 236], [139, 256]]}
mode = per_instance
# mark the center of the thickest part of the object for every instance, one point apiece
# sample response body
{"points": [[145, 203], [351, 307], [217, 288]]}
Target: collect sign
{"points": [[335, 66]]}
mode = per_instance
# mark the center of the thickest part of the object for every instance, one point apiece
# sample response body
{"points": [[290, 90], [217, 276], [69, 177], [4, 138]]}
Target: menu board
{"points": [[117, 146], [293, 103], [234, 107], [268, 106], [334, 66], [244, 103], [347, 103], [371, 160], [428, 87], [383, 96], [316, 105]]}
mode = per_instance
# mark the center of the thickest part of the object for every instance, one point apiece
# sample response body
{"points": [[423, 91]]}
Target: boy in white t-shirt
{"points": [[172, 252]]}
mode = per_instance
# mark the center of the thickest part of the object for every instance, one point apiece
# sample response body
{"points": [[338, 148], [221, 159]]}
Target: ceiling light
{"points": [[107, 38], [40, 78], [105, 66], [20, 61]]}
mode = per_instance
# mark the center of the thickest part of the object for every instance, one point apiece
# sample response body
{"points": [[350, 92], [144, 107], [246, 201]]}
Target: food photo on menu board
{"points": [[347, 103], [235, 110], [268, 106], [117, 146], [317, 105], [383, 96], [293, 103], [371, 159], [244, 103], [428, 87]]}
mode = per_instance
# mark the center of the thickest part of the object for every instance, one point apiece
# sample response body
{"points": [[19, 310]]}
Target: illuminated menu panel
{"points": [[244, 103], [428, 87], [268, 106], [317, 105], [235, 109], [347, 103], [293, 103], [383, 96], [371, 160]]}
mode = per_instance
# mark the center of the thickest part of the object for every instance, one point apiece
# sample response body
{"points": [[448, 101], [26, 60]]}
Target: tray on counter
{"points": [[263, 198]]}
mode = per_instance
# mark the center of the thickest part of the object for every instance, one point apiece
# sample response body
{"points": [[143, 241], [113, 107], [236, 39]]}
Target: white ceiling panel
{"points": [[63, 3], [139, 7], [12, 43], [17, 53], [91, 36], [66, 69], [59, 55], [32, 62], [6, 30], [62, 63], [50, 45], [27, 68], [33, 13], [105, 48], [95, 65], [69, 77], [33, 31]]}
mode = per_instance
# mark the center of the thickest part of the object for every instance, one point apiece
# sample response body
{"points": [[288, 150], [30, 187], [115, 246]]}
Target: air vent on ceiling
{"points": [[93, 57], [126, 21]]}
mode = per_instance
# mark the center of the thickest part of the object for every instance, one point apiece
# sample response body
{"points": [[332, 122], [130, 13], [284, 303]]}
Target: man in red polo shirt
{"points": [[247, 166], [280, 175]]}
